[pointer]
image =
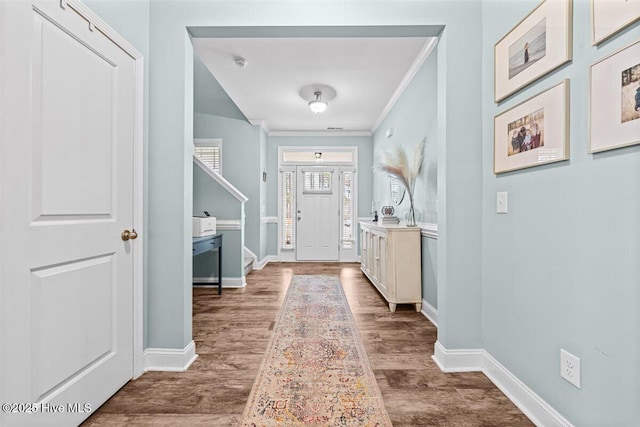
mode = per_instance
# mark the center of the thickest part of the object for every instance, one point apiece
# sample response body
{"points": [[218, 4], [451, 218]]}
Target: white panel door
{"points": [[318, 216], [67, 139]]}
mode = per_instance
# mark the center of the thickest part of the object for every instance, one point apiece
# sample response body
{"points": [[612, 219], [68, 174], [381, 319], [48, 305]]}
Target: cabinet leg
{"points": [[418, 306], [392, 307]]}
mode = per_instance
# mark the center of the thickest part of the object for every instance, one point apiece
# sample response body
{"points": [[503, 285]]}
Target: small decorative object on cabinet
{"points": [[391, 259]]}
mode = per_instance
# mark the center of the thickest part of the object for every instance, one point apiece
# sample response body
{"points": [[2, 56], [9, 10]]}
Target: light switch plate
{"points": [[502, 202]]}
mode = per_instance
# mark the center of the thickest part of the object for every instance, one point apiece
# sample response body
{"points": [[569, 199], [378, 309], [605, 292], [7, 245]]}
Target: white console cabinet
{"points": [[392, 260]]}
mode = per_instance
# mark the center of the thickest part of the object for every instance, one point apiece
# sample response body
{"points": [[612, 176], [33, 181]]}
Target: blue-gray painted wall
{"points": [[412, 119], [561, 269], [210, 196], [209, 97], [241, 164]]}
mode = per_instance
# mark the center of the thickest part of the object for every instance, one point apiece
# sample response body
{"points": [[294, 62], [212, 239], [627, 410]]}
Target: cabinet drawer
{"points": [[215, 243], [201, 247]]}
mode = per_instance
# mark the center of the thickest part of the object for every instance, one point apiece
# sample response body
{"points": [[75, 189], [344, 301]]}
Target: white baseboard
{"points": [[466, 360], [266, 260], [169, 359], [249, 253], [532, 405], [227, 282], [430, 312]]}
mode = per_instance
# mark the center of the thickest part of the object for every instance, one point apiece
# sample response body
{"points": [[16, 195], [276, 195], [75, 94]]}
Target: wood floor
{"points": [[232, 331]]}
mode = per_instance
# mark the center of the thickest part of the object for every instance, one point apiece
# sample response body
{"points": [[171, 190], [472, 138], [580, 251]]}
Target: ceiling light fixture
{"points": [[318, 105], [240, 62], [318, 156]]}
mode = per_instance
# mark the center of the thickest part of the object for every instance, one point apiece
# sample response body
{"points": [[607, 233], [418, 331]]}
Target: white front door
{"points": [[318, 215], [66, 168]]}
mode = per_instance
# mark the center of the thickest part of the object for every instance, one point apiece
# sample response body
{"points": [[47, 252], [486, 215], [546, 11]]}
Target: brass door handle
{"points": [[129, 235]]}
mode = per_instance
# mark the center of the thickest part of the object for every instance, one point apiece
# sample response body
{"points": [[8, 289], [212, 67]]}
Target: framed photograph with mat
{"points": [[610, 16], [614, 101], [534, 132], [540, 43]]}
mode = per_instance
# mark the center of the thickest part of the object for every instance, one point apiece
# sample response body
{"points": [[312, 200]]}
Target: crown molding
{"points": [[261, 123], [320, 133], [422, 56]]}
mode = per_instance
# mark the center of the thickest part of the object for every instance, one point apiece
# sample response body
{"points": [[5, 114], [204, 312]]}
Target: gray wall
{"points": [[430, 271], [209, 97], [241, 164], [561, 268], [210, 196], [414, 118]]}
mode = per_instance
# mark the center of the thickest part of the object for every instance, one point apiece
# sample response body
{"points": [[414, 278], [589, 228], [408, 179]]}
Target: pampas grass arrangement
{"points": [[405, 168]]}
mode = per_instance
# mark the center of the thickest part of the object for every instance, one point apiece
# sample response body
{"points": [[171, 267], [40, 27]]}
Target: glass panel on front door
{"points": [[317, 182]]}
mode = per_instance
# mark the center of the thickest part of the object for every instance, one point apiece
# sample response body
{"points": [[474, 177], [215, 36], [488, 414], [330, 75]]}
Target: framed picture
{"points": [[534, 132], [614, 110], [540, 43], [610, 16]]}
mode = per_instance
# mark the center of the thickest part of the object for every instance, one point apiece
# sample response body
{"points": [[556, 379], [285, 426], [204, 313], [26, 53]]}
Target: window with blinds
{"points": [[287, 210], [347, 210], [210, 155], [317, 182]]}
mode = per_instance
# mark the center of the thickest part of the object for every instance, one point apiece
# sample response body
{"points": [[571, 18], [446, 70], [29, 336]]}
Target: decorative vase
{"points": [[411, 217]]}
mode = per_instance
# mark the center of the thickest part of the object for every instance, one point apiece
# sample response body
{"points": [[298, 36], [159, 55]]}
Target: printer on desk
{"points": [[204, 226]]}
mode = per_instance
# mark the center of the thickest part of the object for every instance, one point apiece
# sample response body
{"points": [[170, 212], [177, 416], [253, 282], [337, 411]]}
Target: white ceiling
{"points": [[368, 74]]}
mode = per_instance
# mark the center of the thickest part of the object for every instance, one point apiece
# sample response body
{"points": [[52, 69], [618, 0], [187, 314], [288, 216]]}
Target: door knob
{"points": [[129, 235]]}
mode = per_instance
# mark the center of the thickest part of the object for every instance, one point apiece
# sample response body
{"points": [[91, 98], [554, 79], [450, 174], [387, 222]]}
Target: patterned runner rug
{"points": [[315, 371]]}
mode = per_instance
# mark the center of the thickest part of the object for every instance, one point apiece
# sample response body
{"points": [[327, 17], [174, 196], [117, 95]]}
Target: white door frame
{"points": [[138, 174], [290, 166]]}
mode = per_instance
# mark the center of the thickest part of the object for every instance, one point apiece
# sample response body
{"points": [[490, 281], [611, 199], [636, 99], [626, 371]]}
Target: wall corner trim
{"points": [[532, 405], [268, 220], [429, 230], [430, 312], [266, 260], [169, 359]]}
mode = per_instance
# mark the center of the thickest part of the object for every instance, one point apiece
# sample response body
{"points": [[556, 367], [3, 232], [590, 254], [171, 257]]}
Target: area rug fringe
{"points": [[315, 371]]}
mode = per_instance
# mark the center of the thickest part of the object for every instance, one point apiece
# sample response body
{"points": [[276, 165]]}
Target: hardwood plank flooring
{"points": [[232, 331]]}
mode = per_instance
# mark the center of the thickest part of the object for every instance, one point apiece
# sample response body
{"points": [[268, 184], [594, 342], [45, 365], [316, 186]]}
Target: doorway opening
{"points": [[317, 193]]}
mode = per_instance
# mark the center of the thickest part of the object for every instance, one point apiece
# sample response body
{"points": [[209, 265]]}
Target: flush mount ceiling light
{"points": [[240, 62], [318, 105], [317, 96]]}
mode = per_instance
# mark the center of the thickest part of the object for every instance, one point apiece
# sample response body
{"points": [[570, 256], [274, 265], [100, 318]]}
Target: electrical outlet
{"points": [[570, 367]]}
